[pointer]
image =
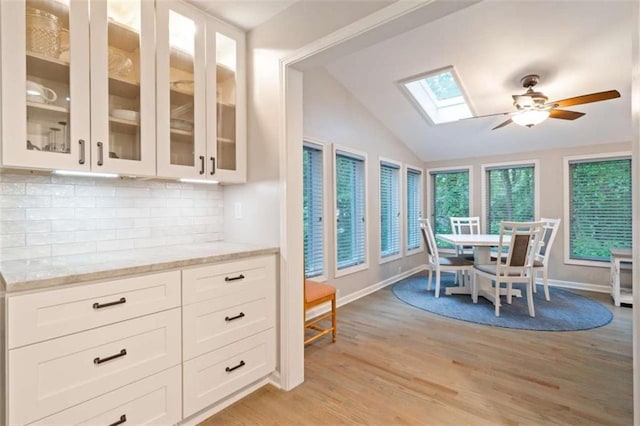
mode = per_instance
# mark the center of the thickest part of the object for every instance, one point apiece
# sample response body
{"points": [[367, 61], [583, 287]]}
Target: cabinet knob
{"points": [[202, 164], [213, 166], [100, 154]]}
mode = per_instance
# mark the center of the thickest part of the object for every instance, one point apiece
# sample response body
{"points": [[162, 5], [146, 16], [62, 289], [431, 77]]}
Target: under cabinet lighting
{"points": [[85, 174], [185, 180]]}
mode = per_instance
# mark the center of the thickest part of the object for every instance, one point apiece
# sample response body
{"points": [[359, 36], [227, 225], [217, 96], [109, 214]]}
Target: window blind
{"points": [[599, 208], [313, 202], [510, 195], [414, 208], [350, 211], [450, 198], [389, 210]]}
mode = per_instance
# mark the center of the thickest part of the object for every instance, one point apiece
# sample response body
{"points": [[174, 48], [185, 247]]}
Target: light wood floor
{"points": [[394, 364]]}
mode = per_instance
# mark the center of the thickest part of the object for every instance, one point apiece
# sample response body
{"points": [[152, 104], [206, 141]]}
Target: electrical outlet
{"points": [[237, 210]]}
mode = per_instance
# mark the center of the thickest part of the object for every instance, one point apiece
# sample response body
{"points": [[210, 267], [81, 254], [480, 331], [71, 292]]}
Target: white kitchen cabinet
{"points": [[201, 95], [78, 85]]}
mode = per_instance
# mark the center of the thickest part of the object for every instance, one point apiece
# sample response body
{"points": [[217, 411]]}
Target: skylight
{"points": [[439, 96]]}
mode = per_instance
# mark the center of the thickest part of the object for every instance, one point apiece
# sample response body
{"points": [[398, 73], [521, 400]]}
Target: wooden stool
{"points": [[315, 294]]}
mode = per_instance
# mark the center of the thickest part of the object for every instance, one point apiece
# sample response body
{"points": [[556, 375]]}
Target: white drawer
{"points": [[152, 401], [45, 315], [215, 375], [48, 377], [223, 279], [215, 323]]}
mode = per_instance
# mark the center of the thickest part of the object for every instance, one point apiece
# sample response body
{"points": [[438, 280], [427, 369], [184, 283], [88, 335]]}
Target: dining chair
{"points": [[438, 263], [316, 294], [514, 263], [541, 259], [465, 225]]}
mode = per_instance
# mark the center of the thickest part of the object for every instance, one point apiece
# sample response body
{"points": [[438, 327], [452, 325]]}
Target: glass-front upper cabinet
{"points": [[226, 105], [45, 84], [123, 86], [78, 85], [181, 91]]}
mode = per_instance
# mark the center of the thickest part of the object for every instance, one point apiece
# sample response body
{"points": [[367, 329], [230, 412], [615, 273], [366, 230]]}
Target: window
{"points": [[389, 209], [350, 196], [510, 195], [414, 208], [313, 202], [599, 216], [449, 197], [438, 95]]}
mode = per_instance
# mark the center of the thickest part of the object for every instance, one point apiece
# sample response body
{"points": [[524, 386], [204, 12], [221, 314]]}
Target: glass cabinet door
{"points": [[226, 110], [181, 91], [123, 86], [45, 84], [226, 102]]}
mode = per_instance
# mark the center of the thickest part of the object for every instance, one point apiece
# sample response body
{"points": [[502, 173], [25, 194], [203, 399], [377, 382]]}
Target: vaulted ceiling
{"points": [[577, 47]]}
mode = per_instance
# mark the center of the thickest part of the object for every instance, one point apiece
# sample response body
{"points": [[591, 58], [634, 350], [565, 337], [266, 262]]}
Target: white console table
{"points": [[620, 295]]}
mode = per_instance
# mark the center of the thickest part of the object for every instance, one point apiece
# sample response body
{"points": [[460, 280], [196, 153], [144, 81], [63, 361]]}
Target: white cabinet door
{"points": [[181, 92], [123, 87], [45, 84], [226, 103]]}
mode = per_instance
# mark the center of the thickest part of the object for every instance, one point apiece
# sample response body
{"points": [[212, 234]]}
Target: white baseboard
{"points": [[597, 288], [312, 313]]}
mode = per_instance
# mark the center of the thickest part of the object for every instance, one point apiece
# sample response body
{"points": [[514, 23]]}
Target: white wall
{"points": [[44, 215], [551, 203], [332, 115], [267, 44]]}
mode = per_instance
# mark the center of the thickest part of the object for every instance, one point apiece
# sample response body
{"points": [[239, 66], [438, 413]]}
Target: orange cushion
{"points": [[314, 290]]}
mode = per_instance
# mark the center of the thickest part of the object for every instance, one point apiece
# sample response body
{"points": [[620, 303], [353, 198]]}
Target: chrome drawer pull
{"points": [[239, 277], [230, 369], [104, 305], [123, 418], [240, 315], [99, 360]]}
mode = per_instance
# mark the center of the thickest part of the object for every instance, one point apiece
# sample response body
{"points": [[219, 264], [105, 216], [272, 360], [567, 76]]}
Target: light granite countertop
{"points": [[51, 272]]}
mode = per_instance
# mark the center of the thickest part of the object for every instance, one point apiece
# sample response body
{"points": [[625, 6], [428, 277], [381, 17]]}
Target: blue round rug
{"points": [[565, 311]]}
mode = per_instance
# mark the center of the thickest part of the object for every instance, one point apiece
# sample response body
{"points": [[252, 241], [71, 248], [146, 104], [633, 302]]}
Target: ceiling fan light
{"points": [[530, 118]]}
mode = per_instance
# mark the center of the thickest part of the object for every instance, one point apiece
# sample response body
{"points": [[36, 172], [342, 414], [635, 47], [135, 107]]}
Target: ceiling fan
{"points": [[533, 108]]}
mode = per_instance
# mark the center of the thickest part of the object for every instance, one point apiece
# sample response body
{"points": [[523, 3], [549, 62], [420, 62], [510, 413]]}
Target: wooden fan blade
{"points": [[563, 114], [585, 99], [503, 124]]}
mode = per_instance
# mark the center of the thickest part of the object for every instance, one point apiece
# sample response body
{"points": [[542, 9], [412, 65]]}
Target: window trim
{"points": [[507, 164], [363, 266], [566, 207], [401, 171], [405, 230], [452, 169], [322, 146]]}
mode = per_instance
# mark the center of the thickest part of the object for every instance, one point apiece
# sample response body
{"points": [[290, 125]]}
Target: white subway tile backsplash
{"points": [[50, 215], [95, 191], [24, 226], [73, 202], [12, 240], [50, 189], [27, 252], [12, 214], [73, 248], [24, 201], [12, 188], [112, 245]]}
